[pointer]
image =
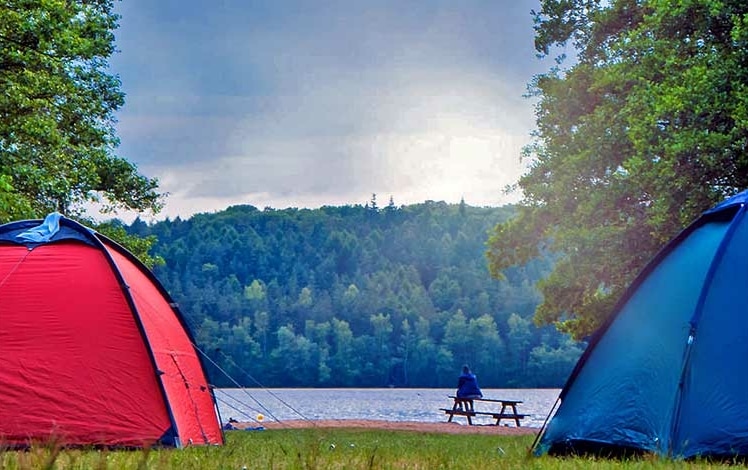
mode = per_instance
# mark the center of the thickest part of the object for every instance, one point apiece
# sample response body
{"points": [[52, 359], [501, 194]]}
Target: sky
{"points": [[292, 103]]}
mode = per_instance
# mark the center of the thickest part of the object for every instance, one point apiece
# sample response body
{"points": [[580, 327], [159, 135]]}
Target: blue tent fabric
{"points": [[668, 373], [714, 409]]}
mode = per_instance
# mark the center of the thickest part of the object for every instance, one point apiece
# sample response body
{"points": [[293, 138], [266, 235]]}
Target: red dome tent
{"points": [[93, 351]]}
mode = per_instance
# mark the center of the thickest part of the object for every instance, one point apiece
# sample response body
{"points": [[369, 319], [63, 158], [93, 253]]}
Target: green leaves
{"points": [[139, 246], [57, 105], [12, 204], [641, 134]]}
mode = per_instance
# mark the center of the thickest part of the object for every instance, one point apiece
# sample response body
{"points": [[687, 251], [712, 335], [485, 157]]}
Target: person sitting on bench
{"points": [[467, 385]]}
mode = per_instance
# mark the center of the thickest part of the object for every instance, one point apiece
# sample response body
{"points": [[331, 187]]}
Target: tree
{"points": [[318, 334], [57, 105], [262, 325], [137, 245], [488, 352], [518, 340], [390, 209], [295, 360], [255, 292], [405, 349], [381, 356], [551, 366], [646, 129], [342, 357], [424, 355], [457, 339], [373, 203], [11, 205]]}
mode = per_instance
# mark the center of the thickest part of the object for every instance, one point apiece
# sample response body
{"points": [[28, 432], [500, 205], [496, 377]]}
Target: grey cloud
{"points": [[314, 100]]}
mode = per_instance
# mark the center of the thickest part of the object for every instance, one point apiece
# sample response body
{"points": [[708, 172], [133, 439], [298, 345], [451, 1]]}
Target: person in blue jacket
{"points": [[467, 385]]}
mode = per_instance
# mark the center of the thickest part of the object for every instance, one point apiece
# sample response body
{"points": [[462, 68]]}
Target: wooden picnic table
{"points": [[466, 407]]}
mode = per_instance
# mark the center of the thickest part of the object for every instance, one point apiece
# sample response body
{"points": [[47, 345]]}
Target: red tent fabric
{"points": [[93, 350]]}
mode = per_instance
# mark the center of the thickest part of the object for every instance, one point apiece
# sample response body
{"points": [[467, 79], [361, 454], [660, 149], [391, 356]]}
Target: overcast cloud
{"points": [[310, 103]]}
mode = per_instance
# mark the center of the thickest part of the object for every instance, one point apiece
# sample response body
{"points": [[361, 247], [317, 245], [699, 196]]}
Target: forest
{"points": [[357, 296]]}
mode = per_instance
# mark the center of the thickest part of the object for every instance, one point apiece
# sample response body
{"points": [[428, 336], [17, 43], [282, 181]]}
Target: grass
{"points": [[334, 449]]}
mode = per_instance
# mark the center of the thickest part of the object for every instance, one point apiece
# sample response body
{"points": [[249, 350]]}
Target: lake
{"points": [[391, 404]]}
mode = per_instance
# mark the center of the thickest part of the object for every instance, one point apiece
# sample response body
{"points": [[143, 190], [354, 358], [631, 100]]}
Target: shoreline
{"points": [[417, 426]]}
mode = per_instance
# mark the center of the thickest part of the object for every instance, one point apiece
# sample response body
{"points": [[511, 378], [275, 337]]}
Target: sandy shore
{"points": [[446, 428]]}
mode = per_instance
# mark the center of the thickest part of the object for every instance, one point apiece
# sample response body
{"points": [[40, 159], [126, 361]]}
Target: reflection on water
{"points": [[391, 404]]}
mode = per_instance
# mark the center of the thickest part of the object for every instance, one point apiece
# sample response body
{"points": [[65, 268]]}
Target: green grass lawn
{"points": [[336, 449]]}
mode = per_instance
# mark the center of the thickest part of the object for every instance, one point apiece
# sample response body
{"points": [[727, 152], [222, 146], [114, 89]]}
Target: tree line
{"points": [[356, 296]]}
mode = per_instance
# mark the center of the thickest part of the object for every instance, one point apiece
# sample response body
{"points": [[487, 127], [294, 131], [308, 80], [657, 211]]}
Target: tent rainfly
{"points": [[668, 372], [93, 351]]}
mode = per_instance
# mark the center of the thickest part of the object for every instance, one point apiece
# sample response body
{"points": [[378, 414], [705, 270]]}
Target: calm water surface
{"points": [[392, 404]]}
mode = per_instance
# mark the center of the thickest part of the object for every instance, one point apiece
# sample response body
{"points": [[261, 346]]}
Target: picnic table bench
{"points": [[465, 407]]}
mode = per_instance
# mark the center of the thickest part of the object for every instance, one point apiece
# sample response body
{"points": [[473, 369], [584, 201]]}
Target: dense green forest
{"points": [[357, 296]]}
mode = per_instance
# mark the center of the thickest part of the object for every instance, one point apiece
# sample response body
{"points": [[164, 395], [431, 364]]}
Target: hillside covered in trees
{"points": [[357, 296]]}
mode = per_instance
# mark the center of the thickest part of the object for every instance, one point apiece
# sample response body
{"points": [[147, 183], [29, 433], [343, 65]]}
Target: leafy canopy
{"points": [[642, 132], [57, 104]]}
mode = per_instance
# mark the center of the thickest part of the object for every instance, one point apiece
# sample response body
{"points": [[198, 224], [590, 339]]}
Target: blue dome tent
{"points": [[668, 372]]}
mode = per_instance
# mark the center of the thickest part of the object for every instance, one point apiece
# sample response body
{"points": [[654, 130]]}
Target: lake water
{"points": [[391, 404]]}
